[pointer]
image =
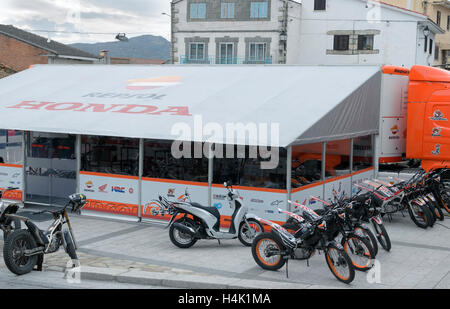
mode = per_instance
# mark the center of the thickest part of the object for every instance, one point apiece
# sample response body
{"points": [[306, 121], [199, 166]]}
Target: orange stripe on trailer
{"points": [[109, 175], [11, 165], [364, 170], [338, 178], [308, 186], [390, 159]]}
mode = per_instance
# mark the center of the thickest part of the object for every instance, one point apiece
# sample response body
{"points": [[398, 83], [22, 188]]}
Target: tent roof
{"points": [[308, 103]]}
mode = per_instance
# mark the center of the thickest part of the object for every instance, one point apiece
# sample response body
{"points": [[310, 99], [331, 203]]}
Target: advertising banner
{"points": [[261, 202], [340, 186], [360, 176], [172, 190], [11, 175], [303, 195], [117, 194]]}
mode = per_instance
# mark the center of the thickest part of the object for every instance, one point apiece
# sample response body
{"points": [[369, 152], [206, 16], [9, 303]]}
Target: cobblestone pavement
{"points": [[419, 258]]}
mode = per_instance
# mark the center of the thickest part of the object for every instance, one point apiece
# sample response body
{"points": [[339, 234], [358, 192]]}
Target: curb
{"points": [[182, 281]]}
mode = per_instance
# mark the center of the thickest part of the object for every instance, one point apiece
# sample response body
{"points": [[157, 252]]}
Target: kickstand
{"points": [[307, 262], [287, 268], [39, 263], [219, 241]]}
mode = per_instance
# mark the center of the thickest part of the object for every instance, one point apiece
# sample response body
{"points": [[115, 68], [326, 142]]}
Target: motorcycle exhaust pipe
{"points": [[185, 229]]}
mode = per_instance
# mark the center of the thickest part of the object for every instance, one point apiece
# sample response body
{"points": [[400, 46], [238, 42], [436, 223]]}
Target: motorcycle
{"points": [[201, 222], [25, 249], [7, 225], [272, 250]]}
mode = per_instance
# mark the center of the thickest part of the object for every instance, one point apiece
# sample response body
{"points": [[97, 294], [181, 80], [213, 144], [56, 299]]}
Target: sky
{"points": [[102, 19]]}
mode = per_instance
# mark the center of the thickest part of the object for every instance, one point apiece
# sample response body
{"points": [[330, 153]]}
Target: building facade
{"points": [[19, 49], [439, 12], [313, 32], [233, 32]]}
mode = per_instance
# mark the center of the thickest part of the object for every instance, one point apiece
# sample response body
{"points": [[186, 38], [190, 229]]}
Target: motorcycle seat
{"points": [[211, 210]]}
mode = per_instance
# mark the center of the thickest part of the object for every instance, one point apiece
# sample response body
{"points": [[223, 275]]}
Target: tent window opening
{"points": [[110, 155], [365, 42], [242, 166], [196, 51], [306, 165], [362, 152], [337, 160], [341, 42], [11, 147], [159, 161]]}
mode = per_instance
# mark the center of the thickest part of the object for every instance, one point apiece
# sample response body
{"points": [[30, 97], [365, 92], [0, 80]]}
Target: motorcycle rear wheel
{"points": [[182, 239], [13, 252]]}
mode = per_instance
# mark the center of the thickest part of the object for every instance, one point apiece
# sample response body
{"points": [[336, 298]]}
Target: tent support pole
{"points": [[288, 176], [210, 173], [141, 172], [351, 167], [24, 162], [324, 158], [376, 160], [78, 158]]}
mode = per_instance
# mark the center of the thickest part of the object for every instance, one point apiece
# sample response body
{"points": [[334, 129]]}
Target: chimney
{"points": [[106, 59]]}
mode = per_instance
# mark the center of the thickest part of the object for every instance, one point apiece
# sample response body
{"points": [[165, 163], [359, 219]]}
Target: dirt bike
{"points": [[201, 222], [272, 250], [7, 225], [356, 245], [25, 249]]}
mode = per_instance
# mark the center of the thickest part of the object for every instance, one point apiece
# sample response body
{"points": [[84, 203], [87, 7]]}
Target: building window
{"points": [[258, 10], [438, 18], [111, 155], [436, 53], [341, 42], [425, 47], [198, 10], [227, 10], [365, 42], [226, 53], [431, 46], [320, 5], [196, 51], [257, 52], [448, 22]]}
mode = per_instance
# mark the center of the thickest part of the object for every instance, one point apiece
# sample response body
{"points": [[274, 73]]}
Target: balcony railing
{"points": [[226, 60]]}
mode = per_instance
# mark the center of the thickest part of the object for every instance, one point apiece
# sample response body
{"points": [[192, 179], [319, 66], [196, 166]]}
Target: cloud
{"points": [[97, 17]]}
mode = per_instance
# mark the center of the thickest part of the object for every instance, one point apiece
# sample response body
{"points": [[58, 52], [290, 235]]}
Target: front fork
{"points": [[70, 231]]}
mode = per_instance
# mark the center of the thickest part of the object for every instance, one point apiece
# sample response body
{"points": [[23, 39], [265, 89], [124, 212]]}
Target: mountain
{"points": [[144, 46]]}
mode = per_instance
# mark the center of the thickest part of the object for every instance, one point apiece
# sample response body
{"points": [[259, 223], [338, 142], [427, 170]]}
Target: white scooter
{"points": [[192, 221]]}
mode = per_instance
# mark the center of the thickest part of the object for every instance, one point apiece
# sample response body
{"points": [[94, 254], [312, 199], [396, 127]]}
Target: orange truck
{"points": [[421, 121]]}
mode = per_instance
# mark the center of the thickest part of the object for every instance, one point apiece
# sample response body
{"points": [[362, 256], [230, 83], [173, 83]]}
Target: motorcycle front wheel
{"points": [[382, 236], [340, 264], [267, 252], [14, 252], [248, 232], [360, 251], [420, 215]]}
